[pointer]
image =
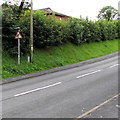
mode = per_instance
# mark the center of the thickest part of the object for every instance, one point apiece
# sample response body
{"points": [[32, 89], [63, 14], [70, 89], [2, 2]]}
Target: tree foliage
{"points": [[9, 23], [107, 13], [11, 2], [48, 31]]}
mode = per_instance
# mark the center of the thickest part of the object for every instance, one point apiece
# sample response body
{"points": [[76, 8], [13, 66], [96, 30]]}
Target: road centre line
{"points": [[88, 74], [37, 89], [97, 107], [113, 65]]}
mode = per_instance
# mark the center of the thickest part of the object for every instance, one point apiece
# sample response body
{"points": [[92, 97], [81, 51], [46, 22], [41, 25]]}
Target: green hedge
{"points": [[84, 30], [49, 31]]}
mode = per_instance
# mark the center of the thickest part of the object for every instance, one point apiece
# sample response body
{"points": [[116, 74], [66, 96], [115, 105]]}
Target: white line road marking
{"points": [[113, 65], [88, 74], [34, 90], [97, 107]]}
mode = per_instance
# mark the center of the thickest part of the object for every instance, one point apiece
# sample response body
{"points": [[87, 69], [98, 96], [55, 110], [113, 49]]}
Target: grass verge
{"points": [[52, 57]]}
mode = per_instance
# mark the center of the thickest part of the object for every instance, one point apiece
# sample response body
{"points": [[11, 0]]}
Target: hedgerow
{"points": [[84, 30], [49, 31]]}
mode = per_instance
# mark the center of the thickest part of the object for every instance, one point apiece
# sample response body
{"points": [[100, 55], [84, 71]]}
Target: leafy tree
{"points": [[48, 31], [107, 13], [11, 2], [10, 22]]}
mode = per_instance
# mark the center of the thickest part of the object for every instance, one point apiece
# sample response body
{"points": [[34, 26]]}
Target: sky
{"points": [[75, 8]]}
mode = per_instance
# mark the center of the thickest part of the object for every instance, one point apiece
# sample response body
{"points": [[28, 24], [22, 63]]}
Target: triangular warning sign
{"points": [[18, 36]]}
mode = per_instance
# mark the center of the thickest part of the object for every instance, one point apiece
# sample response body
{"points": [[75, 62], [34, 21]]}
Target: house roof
{"points": [[49, 11], [46, 9]]}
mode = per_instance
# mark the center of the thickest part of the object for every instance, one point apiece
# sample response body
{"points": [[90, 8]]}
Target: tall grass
{"points": [[52, 57]]}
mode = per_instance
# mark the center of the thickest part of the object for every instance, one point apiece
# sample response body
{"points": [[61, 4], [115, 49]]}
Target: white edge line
{"points": [[88, 74], [97, 107], [34, 90]]}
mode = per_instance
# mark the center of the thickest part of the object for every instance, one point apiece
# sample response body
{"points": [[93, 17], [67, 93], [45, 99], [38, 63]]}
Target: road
{"points": [[64, 94]]}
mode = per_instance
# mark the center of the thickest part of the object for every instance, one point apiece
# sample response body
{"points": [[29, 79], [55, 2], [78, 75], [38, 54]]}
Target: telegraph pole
{"points": [[31, 32], [30, 57], [119, 10]]}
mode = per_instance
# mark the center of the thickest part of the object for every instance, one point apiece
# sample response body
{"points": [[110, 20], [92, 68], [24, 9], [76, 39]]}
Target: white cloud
{"points": [[76, 8]]}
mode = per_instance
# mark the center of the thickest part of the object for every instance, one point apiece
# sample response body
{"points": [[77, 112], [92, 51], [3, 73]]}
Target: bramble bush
{"points": [[48, 31]]}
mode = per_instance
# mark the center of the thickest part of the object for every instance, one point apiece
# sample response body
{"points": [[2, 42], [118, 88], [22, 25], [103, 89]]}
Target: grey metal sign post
{"points": [[18, 51], [18, 36]]}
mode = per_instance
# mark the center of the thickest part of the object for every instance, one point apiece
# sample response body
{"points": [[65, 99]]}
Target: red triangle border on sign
{"points": [[18, 36]]}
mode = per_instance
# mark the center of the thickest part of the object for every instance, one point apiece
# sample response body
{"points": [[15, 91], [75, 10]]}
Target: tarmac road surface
{"points": [[64, 94]]}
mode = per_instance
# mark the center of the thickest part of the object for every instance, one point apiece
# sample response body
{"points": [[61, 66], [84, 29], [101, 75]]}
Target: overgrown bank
{"points": [[56, 42], [52, 57]]}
